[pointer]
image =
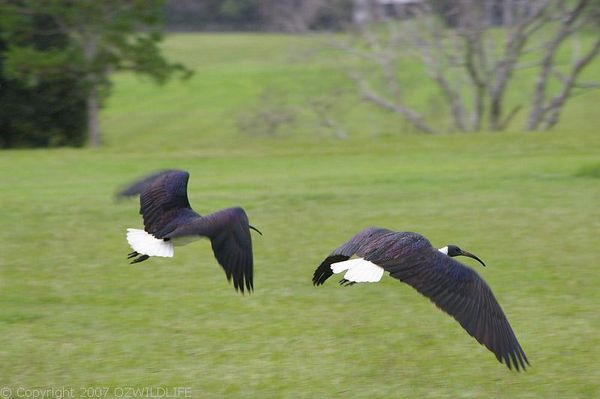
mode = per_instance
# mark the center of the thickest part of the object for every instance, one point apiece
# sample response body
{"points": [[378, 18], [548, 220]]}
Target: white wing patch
{"points": [[146, 244], [359, 270]]}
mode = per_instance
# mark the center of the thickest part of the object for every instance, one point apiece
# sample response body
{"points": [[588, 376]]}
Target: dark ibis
{"points": [[451, 286], [170, 221]]}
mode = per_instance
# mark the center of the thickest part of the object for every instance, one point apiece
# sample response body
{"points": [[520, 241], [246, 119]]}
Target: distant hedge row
{"points": [[257, 15]]}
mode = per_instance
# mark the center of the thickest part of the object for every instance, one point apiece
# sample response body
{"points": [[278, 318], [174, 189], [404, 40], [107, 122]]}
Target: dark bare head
{"points": [[454, 250]]}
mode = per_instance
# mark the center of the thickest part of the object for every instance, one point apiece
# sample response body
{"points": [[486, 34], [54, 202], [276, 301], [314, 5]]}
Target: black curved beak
{"points": [[258, 231], [470, 255]]}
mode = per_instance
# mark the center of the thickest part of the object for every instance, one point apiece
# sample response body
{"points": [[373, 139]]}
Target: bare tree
{"points": [[387, 93], [545, 111], [472, 64]]}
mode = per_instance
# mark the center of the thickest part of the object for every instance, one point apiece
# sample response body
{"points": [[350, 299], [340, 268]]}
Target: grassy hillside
{"points": [[73, 313], [233, 71]]}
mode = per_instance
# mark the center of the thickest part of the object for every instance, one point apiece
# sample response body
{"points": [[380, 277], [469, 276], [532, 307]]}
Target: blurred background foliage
{"points": [[411, 66]]}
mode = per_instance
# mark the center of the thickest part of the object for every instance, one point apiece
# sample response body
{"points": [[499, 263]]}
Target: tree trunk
{"points": [[539, 94], [538, 106], [496, 94], [90, 50], [555, 106], [93, 123], [475, 72]]}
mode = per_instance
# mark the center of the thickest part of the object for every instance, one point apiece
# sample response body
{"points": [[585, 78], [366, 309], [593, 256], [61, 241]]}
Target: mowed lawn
{"points": [[74, 313]]}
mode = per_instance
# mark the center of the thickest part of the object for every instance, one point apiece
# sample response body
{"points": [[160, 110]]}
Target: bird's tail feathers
{"points": [[146, 244], [359, 270]]}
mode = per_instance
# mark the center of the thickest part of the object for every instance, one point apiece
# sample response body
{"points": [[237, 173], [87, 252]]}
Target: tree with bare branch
{"points": [[545, 111], [472, 50]]}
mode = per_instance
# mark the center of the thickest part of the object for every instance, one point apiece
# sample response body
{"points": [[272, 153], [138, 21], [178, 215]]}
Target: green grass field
{"points": [[74, 313]]}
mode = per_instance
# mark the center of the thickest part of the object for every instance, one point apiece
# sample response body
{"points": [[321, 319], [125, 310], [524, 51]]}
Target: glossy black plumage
{"points": [[452, 286], [167, 215]]}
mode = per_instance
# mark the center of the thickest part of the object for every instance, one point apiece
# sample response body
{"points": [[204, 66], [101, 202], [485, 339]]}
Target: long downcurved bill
{"points": [[470, 255], [255, 229]]}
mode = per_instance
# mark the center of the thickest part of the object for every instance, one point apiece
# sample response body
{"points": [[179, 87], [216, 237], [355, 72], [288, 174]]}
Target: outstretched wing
{"points": [[345, 251], [463, 294], [139, 185], [229, 233], [163, 199]]}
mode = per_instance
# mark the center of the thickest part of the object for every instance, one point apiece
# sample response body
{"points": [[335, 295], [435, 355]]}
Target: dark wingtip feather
{"points": [[235, 258], [514, 357], [317, 278], [323, 271], [239, 286], [136, 188], [249, 284], [522, 359]]}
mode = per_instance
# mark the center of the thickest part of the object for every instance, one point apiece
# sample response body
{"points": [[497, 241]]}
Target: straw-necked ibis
{"points": [[170, 221], [453, 287]]}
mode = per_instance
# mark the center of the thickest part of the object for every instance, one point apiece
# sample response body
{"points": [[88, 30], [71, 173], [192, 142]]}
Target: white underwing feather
{"points": [[146, 244], [359, 270]]}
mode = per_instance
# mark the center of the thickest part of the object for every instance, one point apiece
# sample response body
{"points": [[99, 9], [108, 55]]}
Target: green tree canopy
{"points": [[99, 37], [42, 111]]}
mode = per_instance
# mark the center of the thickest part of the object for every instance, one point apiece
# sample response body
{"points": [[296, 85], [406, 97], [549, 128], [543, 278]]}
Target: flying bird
{"points": [[170, 221], [453, 287]]}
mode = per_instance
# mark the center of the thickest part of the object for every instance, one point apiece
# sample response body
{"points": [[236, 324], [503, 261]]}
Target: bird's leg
{"points": [[132, 254], [346, 283], [140, 259]]}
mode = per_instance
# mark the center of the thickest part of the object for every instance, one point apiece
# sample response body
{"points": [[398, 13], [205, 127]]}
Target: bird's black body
{"points": [[168, 216], [452, 286]]}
